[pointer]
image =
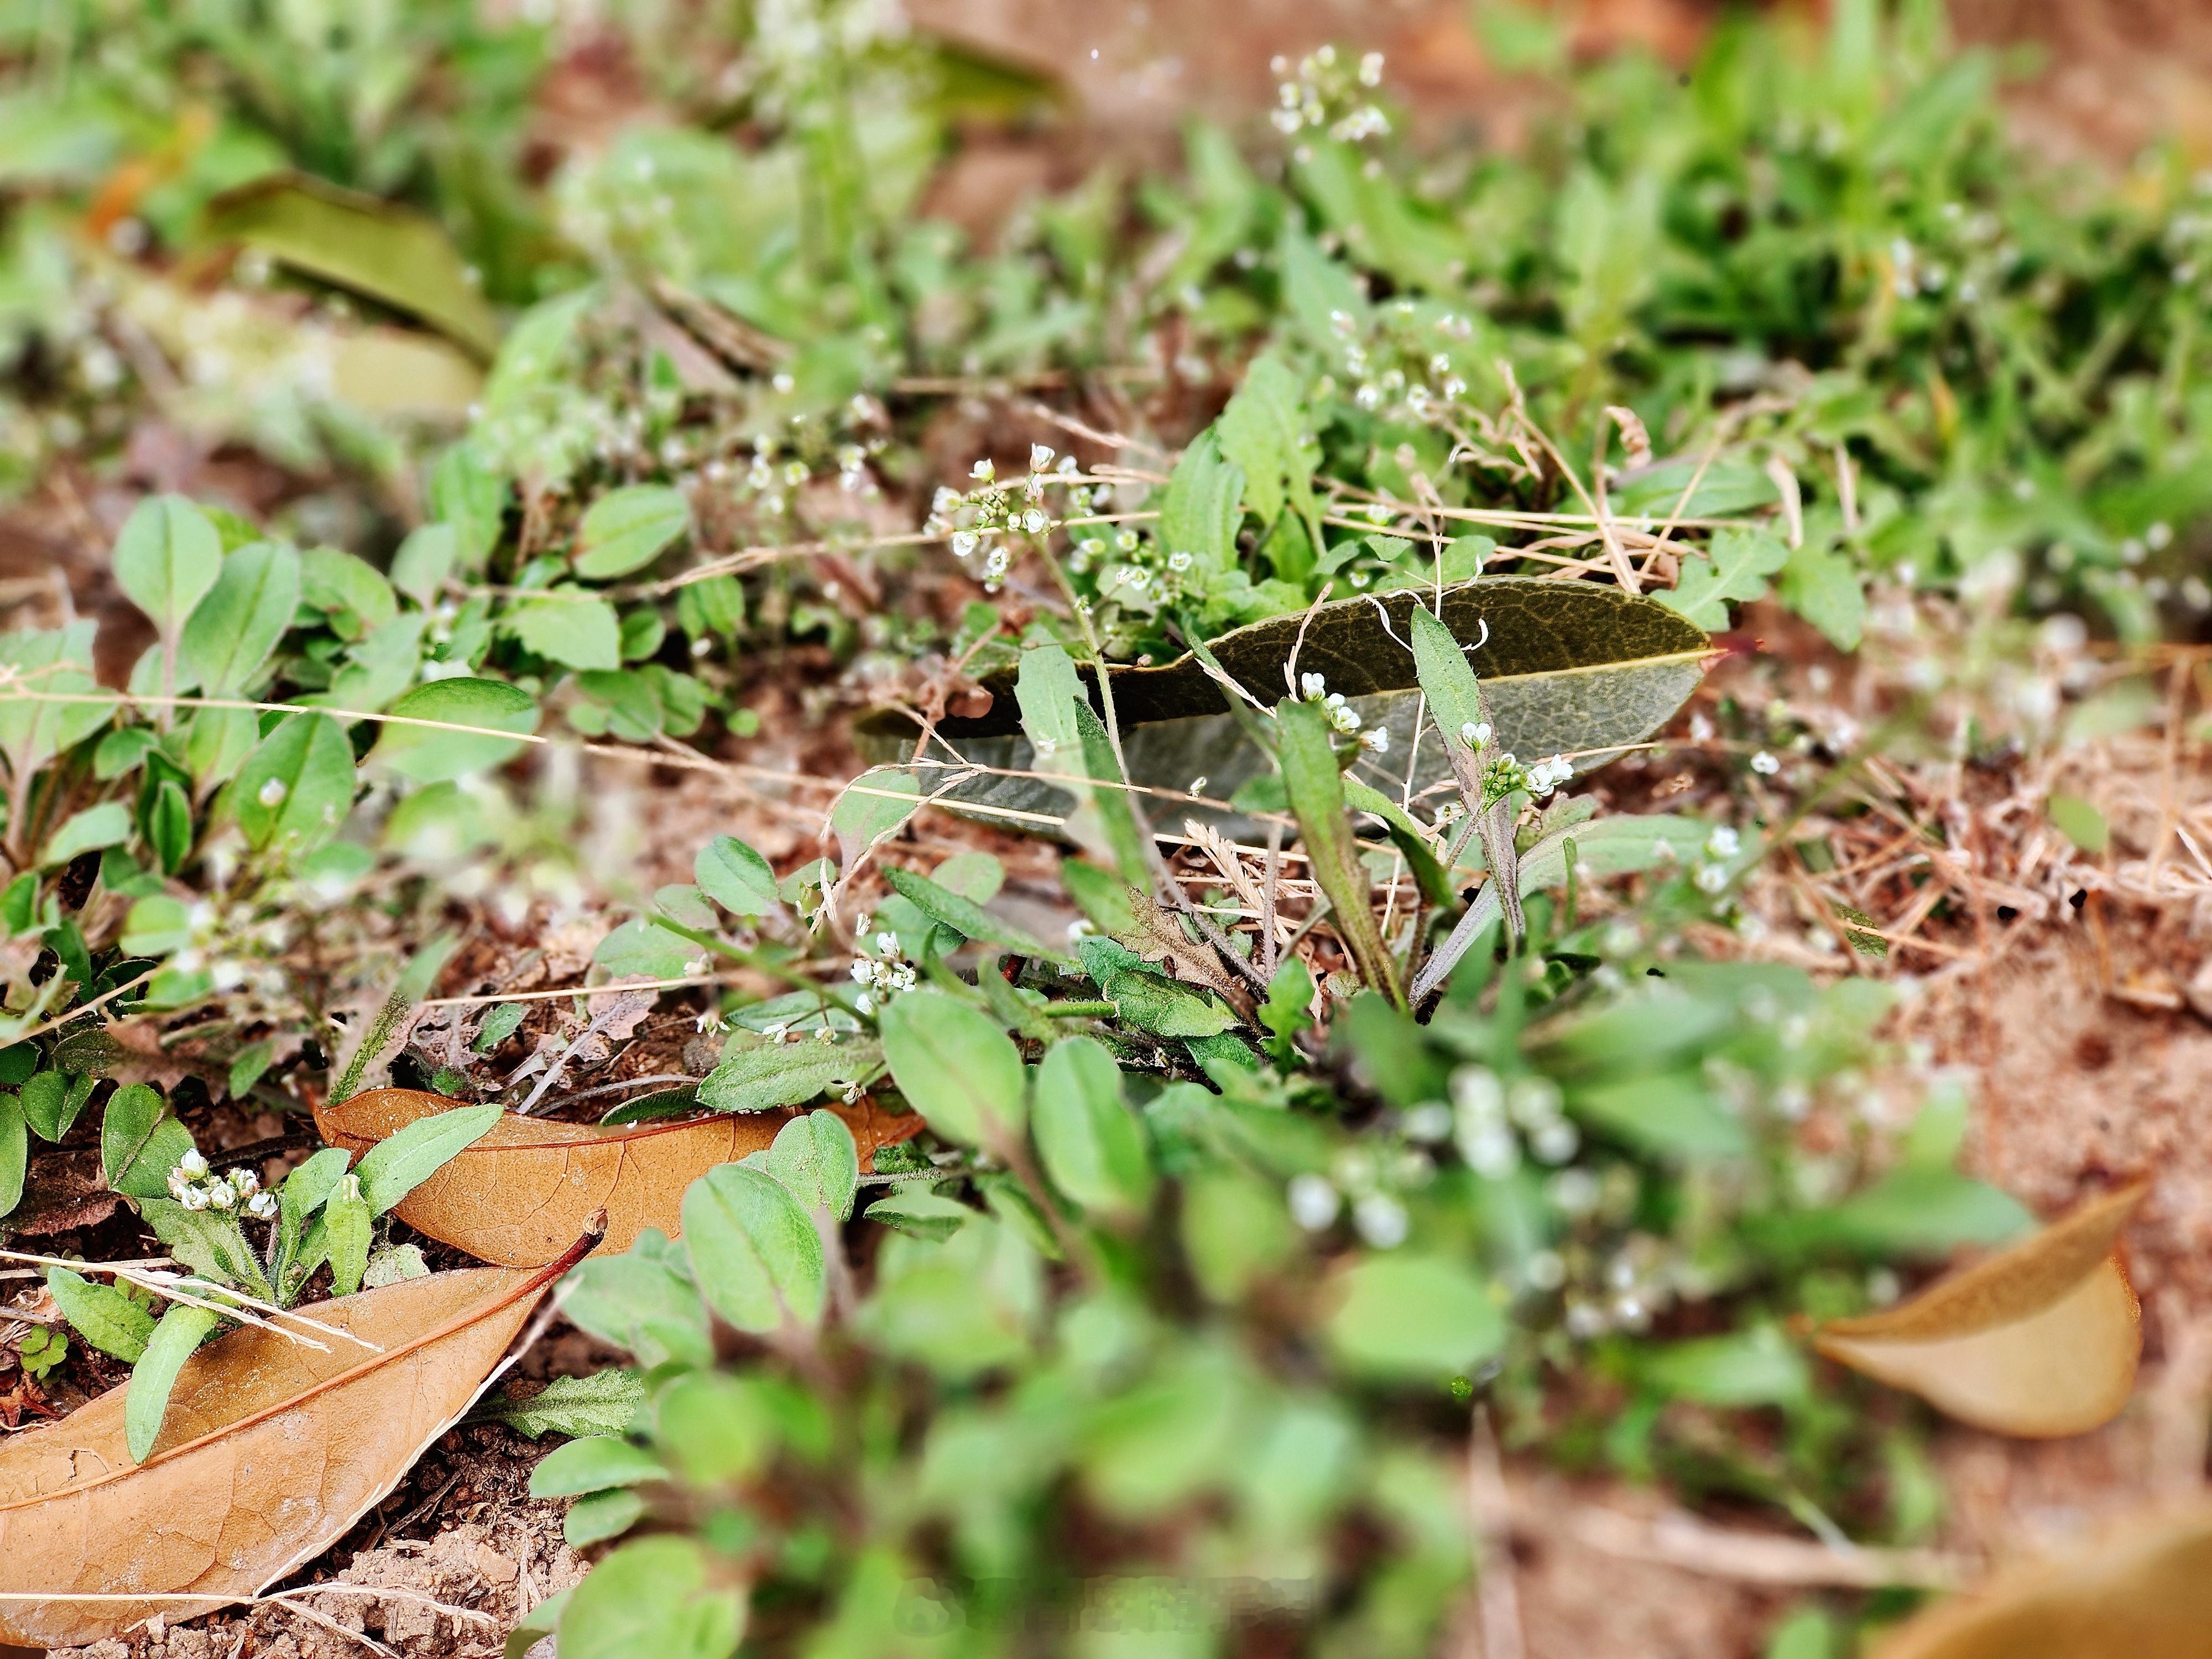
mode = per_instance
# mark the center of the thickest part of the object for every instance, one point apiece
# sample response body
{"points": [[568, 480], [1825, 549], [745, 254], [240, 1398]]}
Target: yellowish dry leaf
{"points": [[519, 1194], [270, 1450], [2041, 1339], [2144, 1594]]}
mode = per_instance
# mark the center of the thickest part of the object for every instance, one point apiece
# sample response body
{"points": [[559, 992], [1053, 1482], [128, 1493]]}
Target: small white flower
{"points": [[983, 471], [1723, 843], [272, 793], [1432, 1120], [1475, 733], [1764, 764], [778, 1033], [1313, 687], [783, 383], [262, 1206], [887, 945], [193, 1198], [865, 1003], [193, 1165], [826, 1035], [219, 1193], [1714, 877], [1555, 1142], [1381, 1220], [1179, 562], [1314, 1202], [964, 543], [1344, 718], [1375, 740], [1040, 457], [945, 502], [245, 1182], [1034, 522]]}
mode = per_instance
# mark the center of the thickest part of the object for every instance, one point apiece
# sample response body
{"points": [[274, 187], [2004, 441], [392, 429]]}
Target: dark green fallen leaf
{"points": [[390, 254]]}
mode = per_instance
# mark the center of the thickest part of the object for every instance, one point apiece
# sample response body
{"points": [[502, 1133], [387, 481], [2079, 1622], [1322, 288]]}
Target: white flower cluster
{"points": [[1343, 718], [1723, 845], [192, 1186], [1491, 1120], [1371, 1181], [1329, 93], [883, 974], [971, 523]]}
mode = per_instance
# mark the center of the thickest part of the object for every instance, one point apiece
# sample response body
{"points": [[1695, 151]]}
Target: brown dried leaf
{"points": [[1158, 936], [2040, 1341], [270, 1450], [2146, 1593], [519, 1194]]}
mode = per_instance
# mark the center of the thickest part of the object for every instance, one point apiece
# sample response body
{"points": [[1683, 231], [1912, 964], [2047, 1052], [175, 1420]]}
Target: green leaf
{"points": [[348, 1229], [756, 1255], [642, 946], [209, 1242], [1091, 1144], [779, 1074], [1757, 1367], [296, 788], [1166, 1008], [1316, 789], [57, 662], [963, 916], [654, 1595], [1265, 432], [1455, 695], [390, 254], [735, 876], [352, 591], [920, 1213], [397, 1165], [1414, 1317], [599, 1516], [1921, 1213], [102, 1314], [1046, 690], [1284, 1013], [51, 1101], [167, 558], [955, 1068], [435, 754], [871, 808], [569, 626], [107, 824], [643, 1302], [217, 743], [423, 561], [1821, 585], [176, 1338], [627, 529], [156, 926], [469, 491], [593, 1465], [231, 631], [140, 1143], [1741, 562], [14, 1152], [815, 1157], [2079, 821], [1673, 1116], [605, 1402], [1202, 506]]}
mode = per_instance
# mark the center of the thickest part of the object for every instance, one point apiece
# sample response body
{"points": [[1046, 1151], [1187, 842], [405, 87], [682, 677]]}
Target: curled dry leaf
{"points": [[270, 1450], [519, 1194], [2145, 1592], [2040, 1341]]}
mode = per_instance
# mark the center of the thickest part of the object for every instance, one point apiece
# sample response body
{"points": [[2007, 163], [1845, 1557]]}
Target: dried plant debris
{"points": [[2144, 1592], [2041, 1339], [521, 1195], [270, 1449]]}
